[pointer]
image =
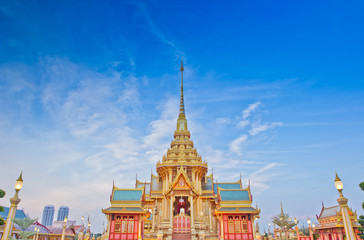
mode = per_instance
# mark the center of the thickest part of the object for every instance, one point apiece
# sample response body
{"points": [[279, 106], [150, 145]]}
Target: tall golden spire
{"points": [[182, 121], [181, 104]]}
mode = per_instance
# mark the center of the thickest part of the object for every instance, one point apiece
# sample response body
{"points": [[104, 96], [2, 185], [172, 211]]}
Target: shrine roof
{"points": [[146, 185], [234, 185], [18, 215], [234, 195], [233, 209], [127, 195], [59, 230], [156, 185], [126, 209], [42, 228], [207, 185], [330, 211]]}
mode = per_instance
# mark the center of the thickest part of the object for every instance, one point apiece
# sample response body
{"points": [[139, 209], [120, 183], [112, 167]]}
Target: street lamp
{"points": [[35, 230], [37, 234], [64, 228], [297, 233], [14, 201], [349, 232], [310, 228], [80, 233]]}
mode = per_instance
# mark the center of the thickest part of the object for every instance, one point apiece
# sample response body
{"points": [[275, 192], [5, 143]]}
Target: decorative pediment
{"points": [[181, 181]]}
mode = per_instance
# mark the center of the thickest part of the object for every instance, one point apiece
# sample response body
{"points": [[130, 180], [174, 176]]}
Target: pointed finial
{"points": [[281, 207], [20, 177], [182, 105], [337, 177]]}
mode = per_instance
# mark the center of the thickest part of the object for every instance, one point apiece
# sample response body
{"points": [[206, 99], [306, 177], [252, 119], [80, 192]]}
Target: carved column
{"points": [[153, 217], [171, 213], [140, 228], [210, 215], [192, 213], [170, 176], [221, 227]]}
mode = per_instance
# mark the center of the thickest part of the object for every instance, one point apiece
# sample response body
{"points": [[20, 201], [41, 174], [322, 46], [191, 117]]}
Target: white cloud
{"points": [[259, 179], [236, 145], [222, 121], [243, 123], [256, 129], [250, 109], [161, 131], [246, 114]]}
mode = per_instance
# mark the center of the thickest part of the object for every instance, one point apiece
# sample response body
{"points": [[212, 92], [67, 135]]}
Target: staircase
{"points": [[181, 236]]}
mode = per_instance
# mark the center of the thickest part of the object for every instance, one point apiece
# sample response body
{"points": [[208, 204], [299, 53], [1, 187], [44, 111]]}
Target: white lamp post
{"points": [[310, 228], [35, 230], [14, 201], [349, 232], [64, 228], [37, 234]]}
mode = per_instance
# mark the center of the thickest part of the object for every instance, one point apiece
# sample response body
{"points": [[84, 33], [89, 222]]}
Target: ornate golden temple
{"points": [[181, 201]]}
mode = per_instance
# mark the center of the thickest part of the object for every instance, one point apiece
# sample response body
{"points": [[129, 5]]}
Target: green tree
{"points": [[361, 218], [2, 194], [24, 224], [283, 220]]}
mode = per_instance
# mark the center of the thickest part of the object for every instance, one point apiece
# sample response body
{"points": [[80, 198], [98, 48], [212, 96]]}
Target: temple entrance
{"points": [[181, 224], [181, 205], [181, 219]]}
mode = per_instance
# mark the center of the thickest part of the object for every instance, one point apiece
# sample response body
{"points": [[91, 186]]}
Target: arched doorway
{"points": [[181, 215]]}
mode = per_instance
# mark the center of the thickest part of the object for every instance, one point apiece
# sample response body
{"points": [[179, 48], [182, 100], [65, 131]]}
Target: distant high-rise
{"points": [[48, 213], [62, 213]]}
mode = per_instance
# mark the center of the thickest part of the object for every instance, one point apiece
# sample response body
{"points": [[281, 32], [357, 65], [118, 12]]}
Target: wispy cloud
{"points": [[246, 114], [236, 145], [256, 129], [250, 109], [260, 178], [155, 30], [160, 131]]}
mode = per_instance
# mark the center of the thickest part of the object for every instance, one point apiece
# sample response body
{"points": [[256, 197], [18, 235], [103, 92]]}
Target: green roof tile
{"points": [[127, 195], [240, 195]]}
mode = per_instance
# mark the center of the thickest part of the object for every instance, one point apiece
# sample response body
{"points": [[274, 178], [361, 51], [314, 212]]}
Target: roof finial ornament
{"points": [[281, 207], [182, 105]]}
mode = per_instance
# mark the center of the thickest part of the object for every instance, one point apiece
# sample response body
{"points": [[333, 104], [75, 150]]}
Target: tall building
{"points": [[48, 213], [182, 201], [62, 213]]}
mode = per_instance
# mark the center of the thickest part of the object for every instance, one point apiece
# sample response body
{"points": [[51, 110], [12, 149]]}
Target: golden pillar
{"points": [[14, 201], [344, 209]]}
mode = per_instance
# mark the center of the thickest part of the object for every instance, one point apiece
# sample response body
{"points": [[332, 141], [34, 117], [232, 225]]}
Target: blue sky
{"points": [[273, 90]]}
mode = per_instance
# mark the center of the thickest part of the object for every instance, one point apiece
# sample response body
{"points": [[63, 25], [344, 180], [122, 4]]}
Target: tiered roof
{"points": [[126, 200], [232, 198], [331, 217], [18, 215]]}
